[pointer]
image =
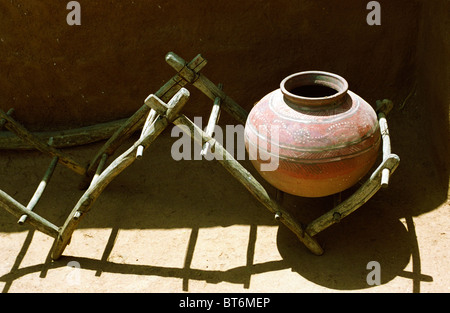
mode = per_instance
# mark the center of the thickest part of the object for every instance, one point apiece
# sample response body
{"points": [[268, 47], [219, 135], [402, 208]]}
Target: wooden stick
{"points": [[213, 119], [383, 108], [156, 104], [206, 86], [114, 169], [63, 138], [17, 209], [40, 190], [23, 133], [42, 185], [101, 166], [249, 182], [136, 120], [150, 120], [3, 121], [172, 109], [158, 107], [167, 91], [386, 147]]}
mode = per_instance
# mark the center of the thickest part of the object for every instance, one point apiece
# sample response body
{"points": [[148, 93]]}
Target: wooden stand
{"points": [[158, 111]]}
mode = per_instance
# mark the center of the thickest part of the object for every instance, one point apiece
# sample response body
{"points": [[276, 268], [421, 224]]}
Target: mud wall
{"points": [[433, 80], [58, 76]]}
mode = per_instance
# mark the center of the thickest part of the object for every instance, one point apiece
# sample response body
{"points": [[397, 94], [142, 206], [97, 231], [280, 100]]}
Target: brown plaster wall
{"points": [[433, 80], [58, 76]]}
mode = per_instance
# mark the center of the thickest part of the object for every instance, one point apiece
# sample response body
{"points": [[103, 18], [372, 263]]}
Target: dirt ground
{"points": [[188, 226]]}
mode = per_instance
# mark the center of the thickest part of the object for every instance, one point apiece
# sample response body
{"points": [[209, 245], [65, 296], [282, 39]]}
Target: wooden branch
{"points": [[181, 67], [158, 107], [23, 133], [3, 121], [156, 104], [115, 168], [167, 91], [172, 109], [100, 167], [151, 117], [17, 209], [213, 119], [383, 108], [386, 147], [40, 189], [63, 138], [249, 182], [206, 86]]}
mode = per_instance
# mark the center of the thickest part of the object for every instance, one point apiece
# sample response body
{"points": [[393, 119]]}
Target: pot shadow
{"points": [[373, 234]]}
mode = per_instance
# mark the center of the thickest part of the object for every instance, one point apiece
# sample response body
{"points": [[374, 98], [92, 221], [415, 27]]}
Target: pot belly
{"points": [[313, 176]]}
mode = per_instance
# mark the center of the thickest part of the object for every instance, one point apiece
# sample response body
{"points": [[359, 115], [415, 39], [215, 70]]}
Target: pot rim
{"points": [[323, 78]]}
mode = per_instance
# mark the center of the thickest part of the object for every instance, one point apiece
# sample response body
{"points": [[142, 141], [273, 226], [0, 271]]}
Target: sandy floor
{"points": [[167, 226]]}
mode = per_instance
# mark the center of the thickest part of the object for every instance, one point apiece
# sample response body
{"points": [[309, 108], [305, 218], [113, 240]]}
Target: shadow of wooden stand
{"points": [[159, 110]]}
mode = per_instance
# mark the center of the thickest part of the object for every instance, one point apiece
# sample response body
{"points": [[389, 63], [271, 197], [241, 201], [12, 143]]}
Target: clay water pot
{"points": [[323, 137]]}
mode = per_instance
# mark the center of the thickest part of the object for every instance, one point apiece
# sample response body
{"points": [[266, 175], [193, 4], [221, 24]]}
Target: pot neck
{"points": [[314, 90]]}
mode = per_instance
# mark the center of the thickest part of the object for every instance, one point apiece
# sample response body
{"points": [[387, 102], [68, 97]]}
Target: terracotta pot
{"points": [[322, 137]]}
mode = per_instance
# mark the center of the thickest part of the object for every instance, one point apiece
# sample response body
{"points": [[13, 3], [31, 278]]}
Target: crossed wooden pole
{"points": [[158, 111]]}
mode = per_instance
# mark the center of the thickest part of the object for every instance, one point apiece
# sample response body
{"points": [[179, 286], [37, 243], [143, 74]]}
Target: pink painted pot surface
{"points": [[312, 137]]}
